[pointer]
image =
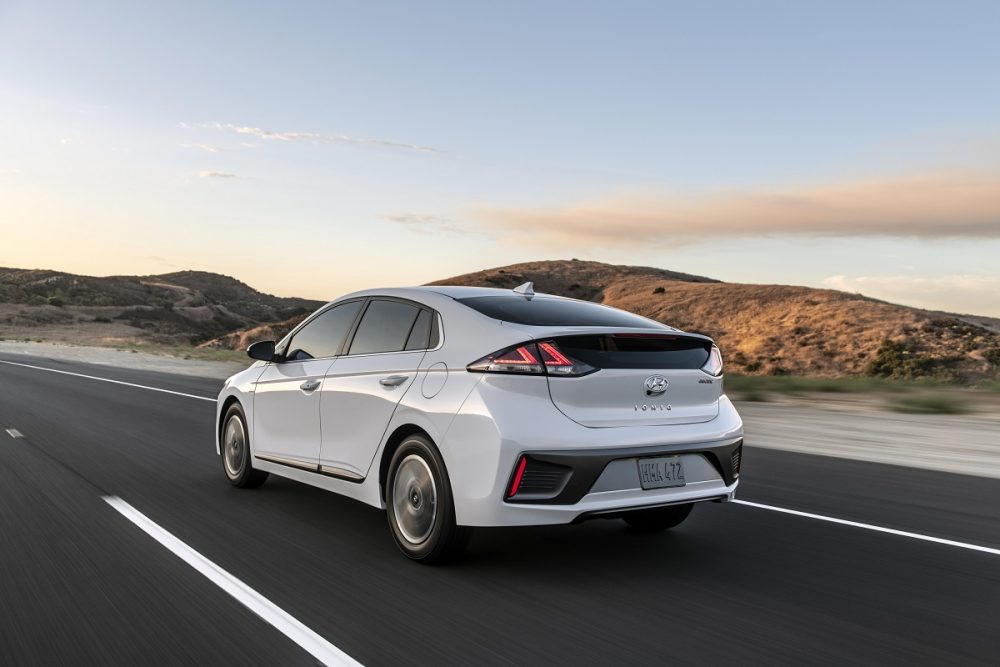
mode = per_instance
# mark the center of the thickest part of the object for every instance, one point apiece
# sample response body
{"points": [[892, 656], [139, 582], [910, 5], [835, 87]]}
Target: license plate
{"points": [[662, 472]]}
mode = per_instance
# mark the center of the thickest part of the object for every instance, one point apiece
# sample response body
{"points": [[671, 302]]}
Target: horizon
{"points": [[326, 299], [744, 144]]}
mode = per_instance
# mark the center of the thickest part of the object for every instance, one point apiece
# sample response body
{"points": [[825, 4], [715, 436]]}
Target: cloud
{"points": [[160, 260], [424, 223], [65, 141], [216, 174], [205, 147], [958, 204], [316, 137], [977, 294]]}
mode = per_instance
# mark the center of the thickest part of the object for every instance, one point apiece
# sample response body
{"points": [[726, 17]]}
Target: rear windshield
{"points": [[617, 351], [541, 311]]}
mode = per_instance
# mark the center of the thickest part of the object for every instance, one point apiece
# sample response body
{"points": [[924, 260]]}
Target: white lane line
{"points": [[284, 622], [94, 377], [868, 526], [14, 433]]}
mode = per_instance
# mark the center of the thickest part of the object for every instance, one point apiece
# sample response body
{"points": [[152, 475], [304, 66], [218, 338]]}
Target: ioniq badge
{"points": [[656, 385]]}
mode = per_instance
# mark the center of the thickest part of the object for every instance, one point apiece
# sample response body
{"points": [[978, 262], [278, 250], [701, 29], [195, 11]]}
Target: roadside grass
{"points": [[197, 353], [927, 397], [758, 385], [928, 404]]}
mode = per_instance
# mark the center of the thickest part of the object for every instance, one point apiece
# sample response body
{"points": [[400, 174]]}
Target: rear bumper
{"points": [[594, 469], [581, 469]]}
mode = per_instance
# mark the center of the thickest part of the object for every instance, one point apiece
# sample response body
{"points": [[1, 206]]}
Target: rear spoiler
{"points": [[668, 333]]}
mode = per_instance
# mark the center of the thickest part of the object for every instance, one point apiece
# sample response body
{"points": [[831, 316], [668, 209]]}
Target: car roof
{"points": [[453, 291]]}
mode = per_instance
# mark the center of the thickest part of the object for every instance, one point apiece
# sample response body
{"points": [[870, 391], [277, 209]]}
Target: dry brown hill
{"points": [[174, 308], [777, 329], [241, 340]]}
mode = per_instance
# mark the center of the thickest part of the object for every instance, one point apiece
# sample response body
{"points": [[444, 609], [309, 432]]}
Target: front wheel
{"points": [[235, 446], [657, 518], [419, 504]]}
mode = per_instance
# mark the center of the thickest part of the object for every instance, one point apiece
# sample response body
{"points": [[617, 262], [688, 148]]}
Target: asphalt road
{"points": [[79, 584]]}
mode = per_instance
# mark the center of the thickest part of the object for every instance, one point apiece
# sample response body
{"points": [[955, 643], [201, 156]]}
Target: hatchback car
{"points": [[456, 407]]}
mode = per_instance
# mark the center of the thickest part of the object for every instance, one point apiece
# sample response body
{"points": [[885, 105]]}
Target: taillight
{"points": [[519, 360], [557, 363], [714, 364], [543, 358]]}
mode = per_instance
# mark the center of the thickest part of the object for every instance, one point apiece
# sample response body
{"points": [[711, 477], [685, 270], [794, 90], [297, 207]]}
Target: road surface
{"points": [[81, 583]]}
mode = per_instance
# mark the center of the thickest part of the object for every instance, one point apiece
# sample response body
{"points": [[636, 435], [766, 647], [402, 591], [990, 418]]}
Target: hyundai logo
{"points": [[656, 385]]}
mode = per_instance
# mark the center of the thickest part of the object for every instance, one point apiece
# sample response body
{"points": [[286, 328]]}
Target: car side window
{"points": [[420, 333], [384, 327], [324, 334]]}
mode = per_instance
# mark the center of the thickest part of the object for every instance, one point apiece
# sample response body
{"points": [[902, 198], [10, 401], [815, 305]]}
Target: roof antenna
{"points": [[527, 290]]}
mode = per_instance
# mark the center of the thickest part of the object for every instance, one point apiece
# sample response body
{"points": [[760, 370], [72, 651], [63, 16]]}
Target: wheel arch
{"points": [[392, 443], [226, 404]]}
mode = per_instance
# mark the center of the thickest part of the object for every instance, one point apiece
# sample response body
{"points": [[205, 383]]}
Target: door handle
{"points": [[309, 385], [393, 380]]}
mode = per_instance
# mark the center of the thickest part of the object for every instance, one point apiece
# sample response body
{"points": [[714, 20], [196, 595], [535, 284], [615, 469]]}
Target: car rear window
{"points": [[384, 327], [617, 351], [542, 311]]}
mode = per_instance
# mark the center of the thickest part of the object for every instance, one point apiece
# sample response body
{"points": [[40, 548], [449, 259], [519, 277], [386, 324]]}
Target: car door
{"points": [[361, 391], [286, 422]]}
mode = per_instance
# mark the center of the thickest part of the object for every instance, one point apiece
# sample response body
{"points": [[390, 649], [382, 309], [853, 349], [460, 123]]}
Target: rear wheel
{"points": [[419, 504], [657, 518], [235, 446]]}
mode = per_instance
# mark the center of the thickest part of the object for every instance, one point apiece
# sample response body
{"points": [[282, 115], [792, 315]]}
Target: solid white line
{"points": [[94, 377], [868, 526], [14, 433], [285, 623]]}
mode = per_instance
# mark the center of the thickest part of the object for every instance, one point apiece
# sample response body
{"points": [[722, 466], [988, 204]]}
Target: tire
{"points": [[234, 447], [419, 504], [657, 519]]}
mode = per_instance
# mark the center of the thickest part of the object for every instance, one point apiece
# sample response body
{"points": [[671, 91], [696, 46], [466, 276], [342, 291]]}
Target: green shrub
{"points": [[902, 361], [928, 404]]}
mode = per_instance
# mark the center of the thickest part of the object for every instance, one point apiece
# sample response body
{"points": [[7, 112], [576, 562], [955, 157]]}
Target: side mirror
{"points": [[262, 350]]}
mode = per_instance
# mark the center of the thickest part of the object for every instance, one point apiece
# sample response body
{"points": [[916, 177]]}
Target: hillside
{"points": [[174, 308], [241, 339], [777, 329], [762, 329]]}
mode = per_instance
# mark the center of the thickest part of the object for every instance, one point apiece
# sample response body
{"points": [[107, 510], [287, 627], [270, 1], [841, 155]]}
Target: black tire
{"points": [[421, 511], [657, 519], [234, 447]]}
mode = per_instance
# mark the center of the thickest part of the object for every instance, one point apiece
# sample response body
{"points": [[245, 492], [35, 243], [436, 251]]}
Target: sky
{"points": [[314, 148]]}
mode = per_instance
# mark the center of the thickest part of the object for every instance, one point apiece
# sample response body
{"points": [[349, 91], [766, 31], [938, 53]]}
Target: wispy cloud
{"points": [[216, 174], [977, 294], [163, 261], [205, 147], [945, 205], [424, 223], [316, 137]]}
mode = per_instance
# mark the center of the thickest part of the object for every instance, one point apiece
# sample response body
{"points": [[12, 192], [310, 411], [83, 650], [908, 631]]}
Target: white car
{"points": [[454, 407]]}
